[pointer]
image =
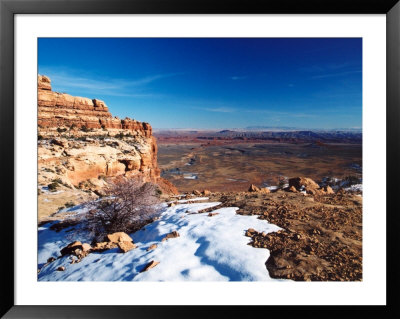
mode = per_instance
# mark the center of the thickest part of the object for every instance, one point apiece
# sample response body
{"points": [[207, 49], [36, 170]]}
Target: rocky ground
{"points": [[322, 236]]}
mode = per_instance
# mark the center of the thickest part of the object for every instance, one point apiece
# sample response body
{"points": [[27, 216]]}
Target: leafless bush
{"points": [[126, 207]]}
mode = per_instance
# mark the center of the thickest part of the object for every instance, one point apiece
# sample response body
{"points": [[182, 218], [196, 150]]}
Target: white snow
{"points": [[190, 176], [208, 249], [192, 199], [77, 209], [45, 189], [354, 188]]}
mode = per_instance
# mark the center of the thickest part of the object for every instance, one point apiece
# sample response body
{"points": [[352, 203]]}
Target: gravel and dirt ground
{"points": [[322, 236]]}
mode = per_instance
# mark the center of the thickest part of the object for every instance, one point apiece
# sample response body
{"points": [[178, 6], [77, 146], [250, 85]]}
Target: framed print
{"points": [[167, 158]]}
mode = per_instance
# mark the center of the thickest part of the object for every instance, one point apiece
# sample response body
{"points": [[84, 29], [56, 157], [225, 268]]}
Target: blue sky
{"points": [[214, 83]]}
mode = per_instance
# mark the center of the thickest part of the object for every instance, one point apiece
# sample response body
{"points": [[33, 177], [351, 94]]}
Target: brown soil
{"points": [[321, 238]]}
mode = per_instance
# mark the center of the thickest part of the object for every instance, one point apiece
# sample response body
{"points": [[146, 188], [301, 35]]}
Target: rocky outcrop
{"points": [[299, 182], [61, 110], [118, 237], [308, 185], [254, 189], [80, 143]]}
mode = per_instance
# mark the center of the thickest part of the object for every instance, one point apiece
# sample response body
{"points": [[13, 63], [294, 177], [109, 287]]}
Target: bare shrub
{"points": [[127, 206]]}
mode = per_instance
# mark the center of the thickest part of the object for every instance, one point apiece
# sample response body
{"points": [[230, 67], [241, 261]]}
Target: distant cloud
{"points": [[331, 70], [277, 115], [330, 75], [328, 67], [66, 81], [235, 78], [221, 109]]}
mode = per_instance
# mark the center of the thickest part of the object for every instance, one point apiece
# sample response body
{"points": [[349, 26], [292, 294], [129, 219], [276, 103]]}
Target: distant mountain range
{"points": [[296, 136], [289, 128], [307, 136]]}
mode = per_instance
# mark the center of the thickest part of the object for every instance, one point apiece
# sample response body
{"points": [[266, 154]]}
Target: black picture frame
{"points": [[8, 8]]}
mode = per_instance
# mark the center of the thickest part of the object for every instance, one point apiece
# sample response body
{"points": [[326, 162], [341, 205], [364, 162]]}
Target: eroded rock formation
{"points": [[80, 143], [61, 110]]}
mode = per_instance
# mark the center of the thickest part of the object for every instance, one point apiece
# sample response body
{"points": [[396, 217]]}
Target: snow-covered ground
{"points": [[354, 188], [208, 249], [190, 176]]}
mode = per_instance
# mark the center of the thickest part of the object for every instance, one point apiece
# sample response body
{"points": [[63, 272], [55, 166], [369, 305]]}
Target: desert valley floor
{"points": [[234, 166]]}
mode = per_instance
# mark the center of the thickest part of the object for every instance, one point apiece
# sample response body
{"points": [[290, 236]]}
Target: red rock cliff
{"points": [[65, 119], [63, 110]]}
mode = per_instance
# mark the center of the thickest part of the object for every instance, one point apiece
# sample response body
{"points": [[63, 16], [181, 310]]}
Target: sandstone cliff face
{"points": [[81, 144], [58, 110]]}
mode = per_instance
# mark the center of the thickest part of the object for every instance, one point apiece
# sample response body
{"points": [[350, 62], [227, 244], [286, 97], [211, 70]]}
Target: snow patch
{"points": [[190, 176], [354, 188], [208, 249]]}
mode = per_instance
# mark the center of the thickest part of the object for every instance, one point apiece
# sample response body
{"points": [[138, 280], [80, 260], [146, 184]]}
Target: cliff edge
{"points": [[81, 146]]}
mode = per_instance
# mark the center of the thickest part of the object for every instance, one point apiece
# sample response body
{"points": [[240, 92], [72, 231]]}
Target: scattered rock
{"points": [[292, 189], [118, 237], [212, 214], [150, 265], [76, 248], [196, 192], [328, 190], [296, 237], [104, 246], [298, 182], [253, 188], [206, 192], [171, 204], [126, 246], [70, 248], [315, 191], [61, 268], [173, 234], [86, 247], [51, 259], [153, 246], [250, 232], [265, 190]]}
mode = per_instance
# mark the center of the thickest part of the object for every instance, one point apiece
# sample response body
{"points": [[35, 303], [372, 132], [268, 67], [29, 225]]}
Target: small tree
{"points": [[126, 207]]}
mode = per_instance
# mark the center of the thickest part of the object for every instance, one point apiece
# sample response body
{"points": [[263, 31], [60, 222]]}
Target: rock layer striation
{"points": [[57, 110]]}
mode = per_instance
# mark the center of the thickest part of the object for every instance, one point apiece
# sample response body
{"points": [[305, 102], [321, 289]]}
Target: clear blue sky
{"points": [[214, 83]]}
